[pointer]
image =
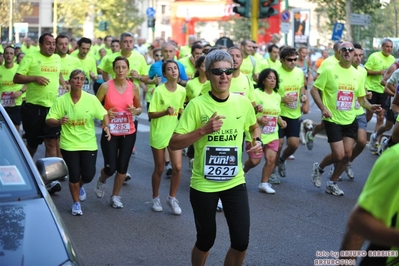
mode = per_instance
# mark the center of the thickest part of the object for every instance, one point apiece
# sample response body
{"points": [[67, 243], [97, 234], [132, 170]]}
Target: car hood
{"points": [[29, 234]]}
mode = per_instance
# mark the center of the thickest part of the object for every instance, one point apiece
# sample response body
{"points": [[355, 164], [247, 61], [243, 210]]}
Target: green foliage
{"points": [[120, 16], [20, 9], [239, 28], [335, 10]]}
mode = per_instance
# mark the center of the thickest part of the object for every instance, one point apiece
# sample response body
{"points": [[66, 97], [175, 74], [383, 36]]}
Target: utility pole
{"points": [[254, 20], [348, 26]]}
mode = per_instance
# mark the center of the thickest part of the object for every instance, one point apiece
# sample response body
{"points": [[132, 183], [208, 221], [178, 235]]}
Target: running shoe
{"points": [[281, 168], [266, 188], [309, 140], [116, 202], [190, 164], [273, 179], [332, 188], [173, 203], [373, 143], [349, 172], [128, 177], [168, 169], [156, 205], [82, 194], [383, 146], [99, 189], [53, 187], [316, 175], [219, 207], [76, 209]]}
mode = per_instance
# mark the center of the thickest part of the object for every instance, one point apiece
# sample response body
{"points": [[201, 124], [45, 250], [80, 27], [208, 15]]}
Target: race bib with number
{"points": [[271, 126], [7, 99], [240, 93], [221, 163], [294, 104], [344, 100], [121, 124], [61, 91], [86, 85]]}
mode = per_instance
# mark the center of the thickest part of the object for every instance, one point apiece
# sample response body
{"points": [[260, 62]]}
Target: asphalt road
{"points": [[287, 228]]}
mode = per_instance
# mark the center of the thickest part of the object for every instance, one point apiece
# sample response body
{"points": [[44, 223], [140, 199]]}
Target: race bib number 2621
{"points": [[221, 163]]}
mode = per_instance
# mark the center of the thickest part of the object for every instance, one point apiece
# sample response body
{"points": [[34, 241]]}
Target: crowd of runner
{"points": [[60, 88]]}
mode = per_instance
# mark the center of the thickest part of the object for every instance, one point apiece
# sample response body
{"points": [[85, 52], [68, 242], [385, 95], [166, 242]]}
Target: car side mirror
{"points": [[51, 169]]}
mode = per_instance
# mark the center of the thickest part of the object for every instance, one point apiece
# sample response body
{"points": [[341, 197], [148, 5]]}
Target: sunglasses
{"points": [[158, 55], [291, 59], [220, 71], [346, 49]]}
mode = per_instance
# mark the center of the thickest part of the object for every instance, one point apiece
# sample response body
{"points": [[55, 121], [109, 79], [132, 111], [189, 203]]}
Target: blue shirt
{"points": [[156, 69]]}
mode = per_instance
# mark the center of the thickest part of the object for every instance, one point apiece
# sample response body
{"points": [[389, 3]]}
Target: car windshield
{"points": [[16, 178]]}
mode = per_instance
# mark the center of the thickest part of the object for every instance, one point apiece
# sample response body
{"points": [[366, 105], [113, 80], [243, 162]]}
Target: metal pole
{"points": [[10, 23], [358, 33], [286, 35], [55, 18], [254, 20]]}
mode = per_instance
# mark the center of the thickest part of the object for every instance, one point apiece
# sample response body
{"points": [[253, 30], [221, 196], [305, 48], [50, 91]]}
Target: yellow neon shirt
{"points": [[188, 66], [359, 110], [194, 88], [36, 64], [376, 62], [229, 137], [79, 134], [291, 84], [161, 129], [136, 62], [7, 84], [340, 86], [380, 195], [68, 64]]}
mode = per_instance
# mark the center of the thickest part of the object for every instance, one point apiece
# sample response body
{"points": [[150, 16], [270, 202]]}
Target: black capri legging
{"points": [[236, 210], [80, 164], [116, 153]]}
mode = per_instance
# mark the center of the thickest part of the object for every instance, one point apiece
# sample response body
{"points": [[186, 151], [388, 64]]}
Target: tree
{"points": [[239, 28], [20, 9], [120, 15], [337, 10]]}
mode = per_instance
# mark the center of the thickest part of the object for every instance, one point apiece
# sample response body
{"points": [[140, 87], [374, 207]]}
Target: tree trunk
{"points": [[396, 18], [348, 25]]}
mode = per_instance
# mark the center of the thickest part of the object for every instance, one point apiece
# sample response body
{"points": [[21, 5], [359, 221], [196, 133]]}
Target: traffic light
{"points": [[243, 7], [266, 8]]}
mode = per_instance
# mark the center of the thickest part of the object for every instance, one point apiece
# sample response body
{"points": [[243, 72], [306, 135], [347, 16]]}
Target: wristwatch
{"points": [[261, 142]]}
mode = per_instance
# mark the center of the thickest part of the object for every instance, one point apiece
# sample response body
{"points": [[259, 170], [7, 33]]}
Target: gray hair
{"points": [[126, 34], [385, 41], [217, 56]]}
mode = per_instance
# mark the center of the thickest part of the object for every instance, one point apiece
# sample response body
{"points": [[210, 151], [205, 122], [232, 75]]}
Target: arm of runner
{"points": [[317, 99], [22, 79], [180, 141], [390, 89], [255, 135], [52, 122], [366, 225], [167, 111], [388, 74], [371, 107], [106, 76], [395, 103]]}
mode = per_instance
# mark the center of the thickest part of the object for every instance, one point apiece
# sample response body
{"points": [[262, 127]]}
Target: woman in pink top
{"points": [[122, 101]]}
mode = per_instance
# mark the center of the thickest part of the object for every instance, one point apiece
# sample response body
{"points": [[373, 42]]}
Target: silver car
{"points": [[31, 229]]}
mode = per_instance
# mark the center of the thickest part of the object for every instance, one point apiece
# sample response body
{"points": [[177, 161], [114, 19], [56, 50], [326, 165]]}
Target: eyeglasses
{"points": [[220, 71], [291, 59], [347, 49], [158, 55]]}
